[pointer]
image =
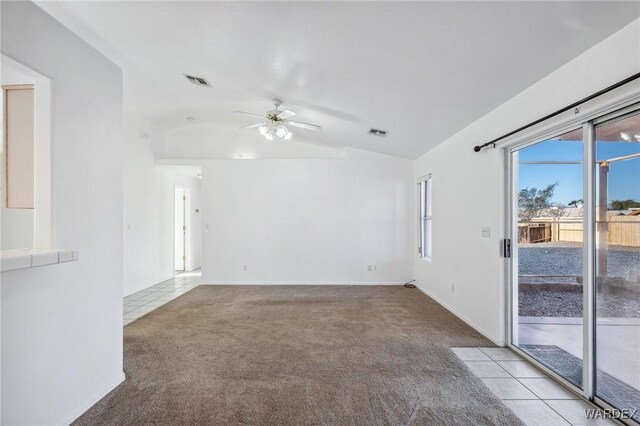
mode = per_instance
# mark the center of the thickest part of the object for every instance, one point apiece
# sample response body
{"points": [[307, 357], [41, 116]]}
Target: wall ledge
{"points": [[30, 258]]}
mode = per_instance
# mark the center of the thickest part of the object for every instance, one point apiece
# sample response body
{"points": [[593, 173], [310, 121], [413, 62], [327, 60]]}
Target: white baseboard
{"points": [[111, 385], [462, 317], [296, 283]]}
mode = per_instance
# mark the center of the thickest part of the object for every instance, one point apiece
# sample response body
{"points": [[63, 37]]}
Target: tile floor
{"points": [[536, 399], [145, 301]]}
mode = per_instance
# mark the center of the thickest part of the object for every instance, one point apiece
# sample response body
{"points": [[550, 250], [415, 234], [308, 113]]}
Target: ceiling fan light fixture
{"points": [[282, 131], [277, 123], [273, 130]]}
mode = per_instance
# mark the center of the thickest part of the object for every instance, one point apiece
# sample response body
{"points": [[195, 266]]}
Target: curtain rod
{"points": [[478, 148]]}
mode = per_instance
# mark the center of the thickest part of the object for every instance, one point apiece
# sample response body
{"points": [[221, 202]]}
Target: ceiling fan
{"points": [[276, 123]]}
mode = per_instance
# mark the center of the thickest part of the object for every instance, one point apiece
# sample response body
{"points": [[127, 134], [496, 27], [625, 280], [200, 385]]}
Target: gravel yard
{"points": [[569, 304], [566, 258]]}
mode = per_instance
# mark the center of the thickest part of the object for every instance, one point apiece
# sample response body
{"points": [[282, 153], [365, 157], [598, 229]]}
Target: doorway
{"points": [[181, 219], [574, 266]]}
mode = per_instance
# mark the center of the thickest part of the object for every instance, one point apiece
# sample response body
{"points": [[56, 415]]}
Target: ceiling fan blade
{"points": [[249, 113], [307, 126], [283, 115], [251, 126]]}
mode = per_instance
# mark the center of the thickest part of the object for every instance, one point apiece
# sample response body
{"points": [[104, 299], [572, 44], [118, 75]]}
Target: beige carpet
{"points": [[298, 355]]}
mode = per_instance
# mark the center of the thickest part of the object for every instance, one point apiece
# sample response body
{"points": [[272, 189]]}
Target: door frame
{"points": [[615, 104], [511, 263], [179, 188]]}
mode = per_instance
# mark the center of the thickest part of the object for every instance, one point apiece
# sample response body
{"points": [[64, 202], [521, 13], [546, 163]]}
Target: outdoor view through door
{"points": [[617, 232], [549, 285]]}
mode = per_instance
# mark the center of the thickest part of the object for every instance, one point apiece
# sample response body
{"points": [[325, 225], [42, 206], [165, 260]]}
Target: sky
{"points": [[624, 176]]}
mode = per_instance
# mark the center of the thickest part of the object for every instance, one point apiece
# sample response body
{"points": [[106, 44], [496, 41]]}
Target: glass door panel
{"points": [[617, 261], [547, 252]]}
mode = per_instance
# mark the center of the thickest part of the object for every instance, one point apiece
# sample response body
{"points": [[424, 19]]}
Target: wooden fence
{"points": [[622, 230]]}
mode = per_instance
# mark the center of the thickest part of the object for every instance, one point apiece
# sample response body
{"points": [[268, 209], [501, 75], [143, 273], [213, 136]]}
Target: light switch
{"points": [[486, 231]]}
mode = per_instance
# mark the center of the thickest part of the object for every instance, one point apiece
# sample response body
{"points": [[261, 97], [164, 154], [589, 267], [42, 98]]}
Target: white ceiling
{"points": [[422, 71]]}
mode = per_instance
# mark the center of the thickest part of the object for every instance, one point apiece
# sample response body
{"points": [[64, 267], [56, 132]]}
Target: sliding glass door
{"points": [[574, 220], [548, 253], [617, 261]]}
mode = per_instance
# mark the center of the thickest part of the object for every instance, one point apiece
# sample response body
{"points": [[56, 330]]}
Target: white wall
{"points": [[62, 324], [149, 209], [468, 187], [17, 227], [307, 220]]}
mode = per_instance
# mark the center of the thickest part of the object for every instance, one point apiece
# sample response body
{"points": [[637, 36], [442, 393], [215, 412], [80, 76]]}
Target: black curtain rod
{"points": [[478, 148]]}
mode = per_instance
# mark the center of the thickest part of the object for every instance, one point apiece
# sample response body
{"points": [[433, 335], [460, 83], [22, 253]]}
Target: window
{"points": [[17, 160], [18, 146], [424, 239], [25, 158]]}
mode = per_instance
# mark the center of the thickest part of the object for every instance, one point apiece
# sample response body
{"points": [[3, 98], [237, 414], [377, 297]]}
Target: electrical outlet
{"points": [[369, 268], [486, 231], [244, 268]]}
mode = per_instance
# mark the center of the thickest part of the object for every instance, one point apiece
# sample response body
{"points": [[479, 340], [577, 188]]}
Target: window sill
{"points": [[31, 258]]}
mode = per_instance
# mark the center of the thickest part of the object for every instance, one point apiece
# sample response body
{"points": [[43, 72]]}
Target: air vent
{"points": [[198, 81], [378, 132]]}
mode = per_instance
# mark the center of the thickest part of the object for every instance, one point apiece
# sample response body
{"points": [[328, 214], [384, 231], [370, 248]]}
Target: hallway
{"points": [[145, 301]]}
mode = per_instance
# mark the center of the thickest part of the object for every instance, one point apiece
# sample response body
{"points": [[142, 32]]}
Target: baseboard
{"points": [[73, 416], [296, 283], [463, 318]]}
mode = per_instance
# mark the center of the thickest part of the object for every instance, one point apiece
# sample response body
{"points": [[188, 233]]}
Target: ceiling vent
{"points": [[198, 81], [378, 132]]}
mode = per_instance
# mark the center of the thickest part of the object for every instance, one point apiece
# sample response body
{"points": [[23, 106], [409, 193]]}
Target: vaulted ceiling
{"points": [[421, 71]]}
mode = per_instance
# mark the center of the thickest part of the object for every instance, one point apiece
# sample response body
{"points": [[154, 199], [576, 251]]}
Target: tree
{"points": [[624, 204], [576, 203], [531, 201], [557, 210]]}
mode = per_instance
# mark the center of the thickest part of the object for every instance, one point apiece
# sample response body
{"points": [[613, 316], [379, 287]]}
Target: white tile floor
{"points": [[536, 399], [145, 301]]}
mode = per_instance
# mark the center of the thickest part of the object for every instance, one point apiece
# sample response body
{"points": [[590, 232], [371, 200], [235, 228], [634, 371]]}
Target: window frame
{"points": [[425, 217], [44, 235], [8, 184]]}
